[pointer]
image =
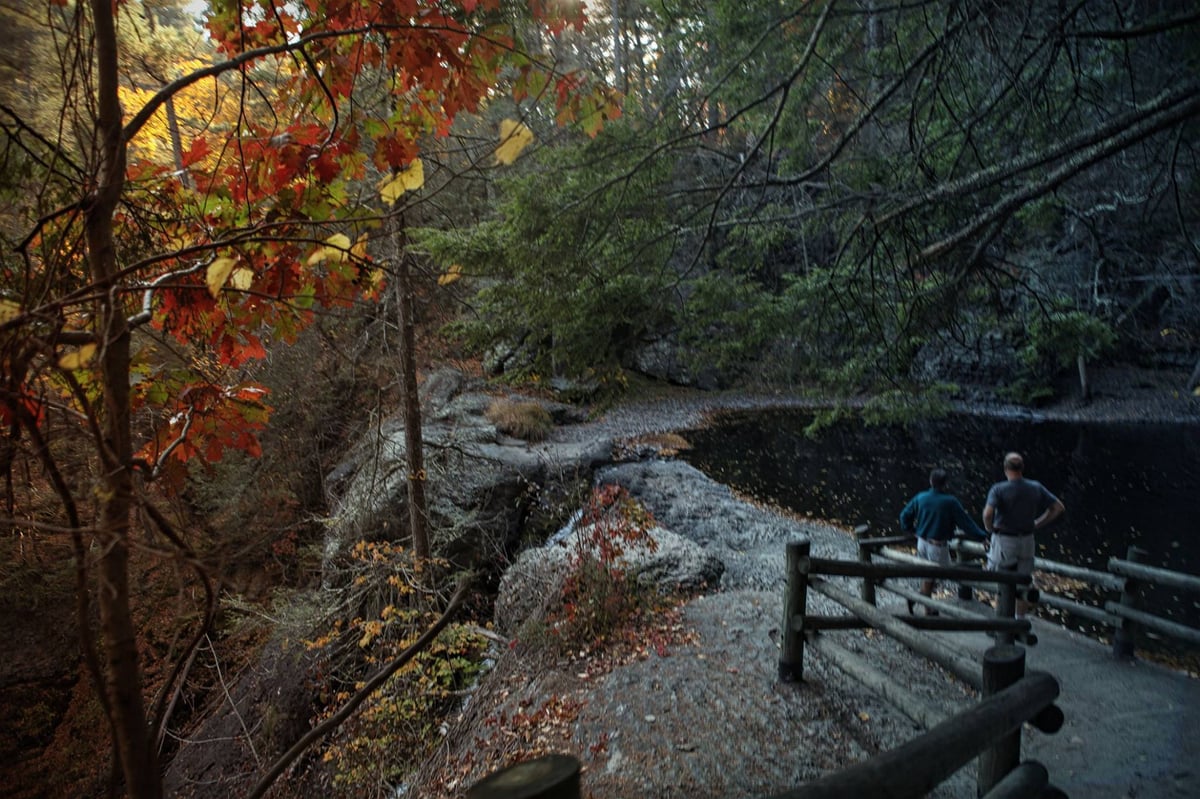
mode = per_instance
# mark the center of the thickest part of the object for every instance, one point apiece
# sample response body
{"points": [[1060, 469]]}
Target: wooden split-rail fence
{"points": [[989, 731]]}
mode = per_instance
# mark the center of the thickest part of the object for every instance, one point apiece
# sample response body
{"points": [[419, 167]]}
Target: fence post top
{"points": [[529, 779], [1004, 653]]}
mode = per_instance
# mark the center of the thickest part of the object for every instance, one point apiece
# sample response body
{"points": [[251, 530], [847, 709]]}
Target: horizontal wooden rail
{"points": [[1089, 612], [554, 776], [1129, 576], [1156, 623], [919, 709], [1102, 579], [885, 541], [949, 659], [1152, 574], [981, 577], [937, 623], [882, 571], [917, 767], [929, 602], [1027, 780]]}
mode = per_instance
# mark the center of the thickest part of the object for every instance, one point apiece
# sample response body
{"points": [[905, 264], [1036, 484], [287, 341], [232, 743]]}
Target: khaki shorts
{"points": [[1011, 553], [932, 552]]}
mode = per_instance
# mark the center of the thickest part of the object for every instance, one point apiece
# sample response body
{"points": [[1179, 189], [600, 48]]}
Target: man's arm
{"points": [[965, 523], [989, 513], [1052, 513], [908, 517]]}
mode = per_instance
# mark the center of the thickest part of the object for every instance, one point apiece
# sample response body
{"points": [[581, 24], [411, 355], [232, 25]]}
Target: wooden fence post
{"points": [[795, 605], [546, 777], [965, 592], [1125, 633], [1002, 666], [864, 556], [1006, 608]]}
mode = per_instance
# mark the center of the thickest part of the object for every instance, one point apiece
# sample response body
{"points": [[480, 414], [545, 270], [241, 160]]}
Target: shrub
{"points": [[524, 419], [598, 595], [382, 610]]}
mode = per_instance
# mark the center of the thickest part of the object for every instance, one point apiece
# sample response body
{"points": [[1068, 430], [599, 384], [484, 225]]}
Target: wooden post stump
{"points": [[1125, 633], [795, 605], [1002, 666], [864, 556], [546, 777], [1006, 608]]}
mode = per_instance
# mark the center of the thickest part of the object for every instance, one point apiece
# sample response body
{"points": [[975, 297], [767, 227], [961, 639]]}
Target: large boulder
{"points": [[747, 539], [482, 487], [668, 563], [665, 359]]}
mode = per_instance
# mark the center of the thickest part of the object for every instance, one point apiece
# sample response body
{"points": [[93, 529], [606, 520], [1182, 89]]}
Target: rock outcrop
{"points": [[485, 489], [670, 563]]}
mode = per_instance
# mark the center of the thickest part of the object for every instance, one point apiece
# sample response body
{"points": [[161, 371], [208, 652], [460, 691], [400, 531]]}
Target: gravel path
{"points": [[1128, 395]]}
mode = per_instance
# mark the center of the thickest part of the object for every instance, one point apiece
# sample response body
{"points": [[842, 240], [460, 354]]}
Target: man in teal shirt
{"points": [[932, 517]]}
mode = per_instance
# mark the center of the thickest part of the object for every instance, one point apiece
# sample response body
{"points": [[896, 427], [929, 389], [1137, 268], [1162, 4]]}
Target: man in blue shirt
{"points": [[932, 517]]}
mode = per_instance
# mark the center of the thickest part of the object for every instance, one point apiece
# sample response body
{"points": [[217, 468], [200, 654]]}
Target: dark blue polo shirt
{"points": [[934, 514]]}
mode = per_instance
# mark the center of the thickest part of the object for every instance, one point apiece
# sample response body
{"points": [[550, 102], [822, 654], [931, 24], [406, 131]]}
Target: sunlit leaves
{"points": [[242, 278], [450, 275], [77, 359], [247, 199], [217, 273], [205, 420], [410, 178], [514, 137], [596, 109], [336, 249]]}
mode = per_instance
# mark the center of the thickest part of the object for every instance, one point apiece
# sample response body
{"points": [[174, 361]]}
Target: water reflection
{"points": [[1123, 484]]}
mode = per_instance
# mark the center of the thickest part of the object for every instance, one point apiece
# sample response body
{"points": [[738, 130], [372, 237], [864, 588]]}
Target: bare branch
{"points": [[369, 688]]}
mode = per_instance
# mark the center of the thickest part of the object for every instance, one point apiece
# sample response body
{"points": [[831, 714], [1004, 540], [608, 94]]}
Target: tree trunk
{"points": [[618, 48], [123, 682], [418, 511], [177, 143]]}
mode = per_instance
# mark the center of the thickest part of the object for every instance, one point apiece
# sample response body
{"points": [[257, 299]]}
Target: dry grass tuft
{"points": [[522, 419]]}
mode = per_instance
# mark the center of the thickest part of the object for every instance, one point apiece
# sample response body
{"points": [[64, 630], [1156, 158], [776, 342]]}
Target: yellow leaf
{"points": [[78, 358], [409, 179], [218, 272], [359, 250], [452, 274], [514, 137], [338, 243], [242, 278], [8, 310]]}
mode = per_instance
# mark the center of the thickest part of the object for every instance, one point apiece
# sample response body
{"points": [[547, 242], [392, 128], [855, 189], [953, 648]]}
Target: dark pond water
{"points": [[1122, 484]]}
